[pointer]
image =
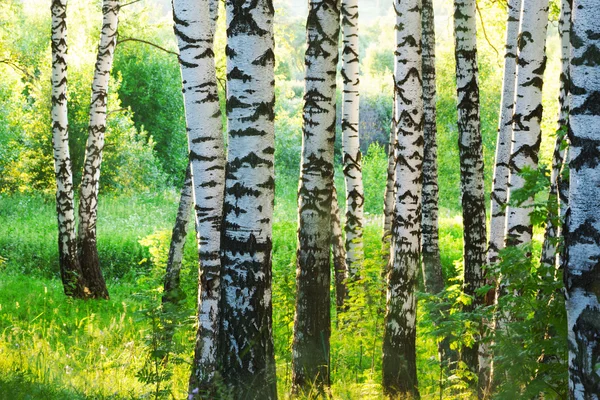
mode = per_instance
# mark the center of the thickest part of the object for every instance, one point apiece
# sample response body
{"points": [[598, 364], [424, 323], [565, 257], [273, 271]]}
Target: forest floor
{"points": [[53, 347]]}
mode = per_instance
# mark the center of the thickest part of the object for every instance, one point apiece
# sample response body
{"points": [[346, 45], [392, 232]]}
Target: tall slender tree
{"points": [[582, 236], [471, 158], [312, 323], [352, 157], [246, 322], [556, 202], [499, 194], [340, 268], [432, 263], [70, 270], [388, 196], [194, 25], [399, 367], [527, 133], [88, 195]]}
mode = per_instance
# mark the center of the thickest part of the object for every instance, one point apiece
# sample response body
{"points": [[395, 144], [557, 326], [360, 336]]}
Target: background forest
{"points": [[54, 347]]}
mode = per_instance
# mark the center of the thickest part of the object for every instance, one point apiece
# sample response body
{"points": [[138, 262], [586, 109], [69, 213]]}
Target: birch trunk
{"points": [[172, 291], [582, 236], [499, 194], [471, 159], [503, 142], [432, 264], [194, 25], [340, 268], [352, 157], [312, 323], [527, 115], [246, 321], [388, 197], [70, 270], [556, 203], [88, 196], [399, 352]]}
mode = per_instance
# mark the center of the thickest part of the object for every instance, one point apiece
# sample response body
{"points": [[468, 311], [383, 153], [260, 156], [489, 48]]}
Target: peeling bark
{"points": [[312, 323], [582, 231], [399, 370], [88, 195], [70, 270]]}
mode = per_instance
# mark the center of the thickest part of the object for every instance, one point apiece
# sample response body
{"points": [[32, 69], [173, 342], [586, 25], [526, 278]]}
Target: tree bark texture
{"points": [[527, 134], [471, 159], [582, 236], [88, 195], [70, 270], [246, 321], [503, 142], [194, 25], [312, 324], [172, 291], [388, 196], [352, 157], [399, 353], [432, 264], [557, 203], [340, 268]]}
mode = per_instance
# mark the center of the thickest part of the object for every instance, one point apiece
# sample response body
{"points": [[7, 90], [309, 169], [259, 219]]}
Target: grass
{"points": [[54, 347]]}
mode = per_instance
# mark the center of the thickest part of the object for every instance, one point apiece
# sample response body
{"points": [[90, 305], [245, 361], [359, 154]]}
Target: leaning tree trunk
{"points": [[312, 322], [352, 157], [527, 133], [70, 270], [556, 202], [248, 358], [432, 264], [340, 268], [471, 159], [399, 367], [582, 236], [172, 292], [88, 196], [500, 182], [195, 23]]}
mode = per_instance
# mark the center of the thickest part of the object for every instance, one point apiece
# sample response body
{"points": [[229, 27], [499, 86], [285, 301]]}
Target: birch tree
{"points": [[248, 358], [527, 116], [388, 196], [352, 157], [399, 368], [88, 195], [499, 194], [194, 25], [471, 158], [432, 264], [582, 236], [70, 270], [556, 202], [312, 322], [340, 268]]}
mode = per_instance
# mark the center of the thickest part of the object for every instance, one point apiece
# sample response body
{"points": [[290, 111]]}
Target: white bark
{"points": [[388, 196], [582, 236], [503, 141], [312, 322], [340, 268], [246, 321], [194, 29], [399, 352], [527, 113], [65, 206], [352, 157]]}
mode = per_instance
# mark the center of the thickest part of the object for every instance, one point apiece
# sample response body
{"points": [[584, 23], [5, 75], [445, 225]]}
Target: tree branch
{"points": [[17, 67], [130, 3], [483, 29], [148, 43]]}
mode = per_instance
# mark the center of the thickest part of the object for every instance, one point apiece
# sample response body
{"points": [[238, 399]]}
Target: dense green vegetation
{"points": [[53, 347]]}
